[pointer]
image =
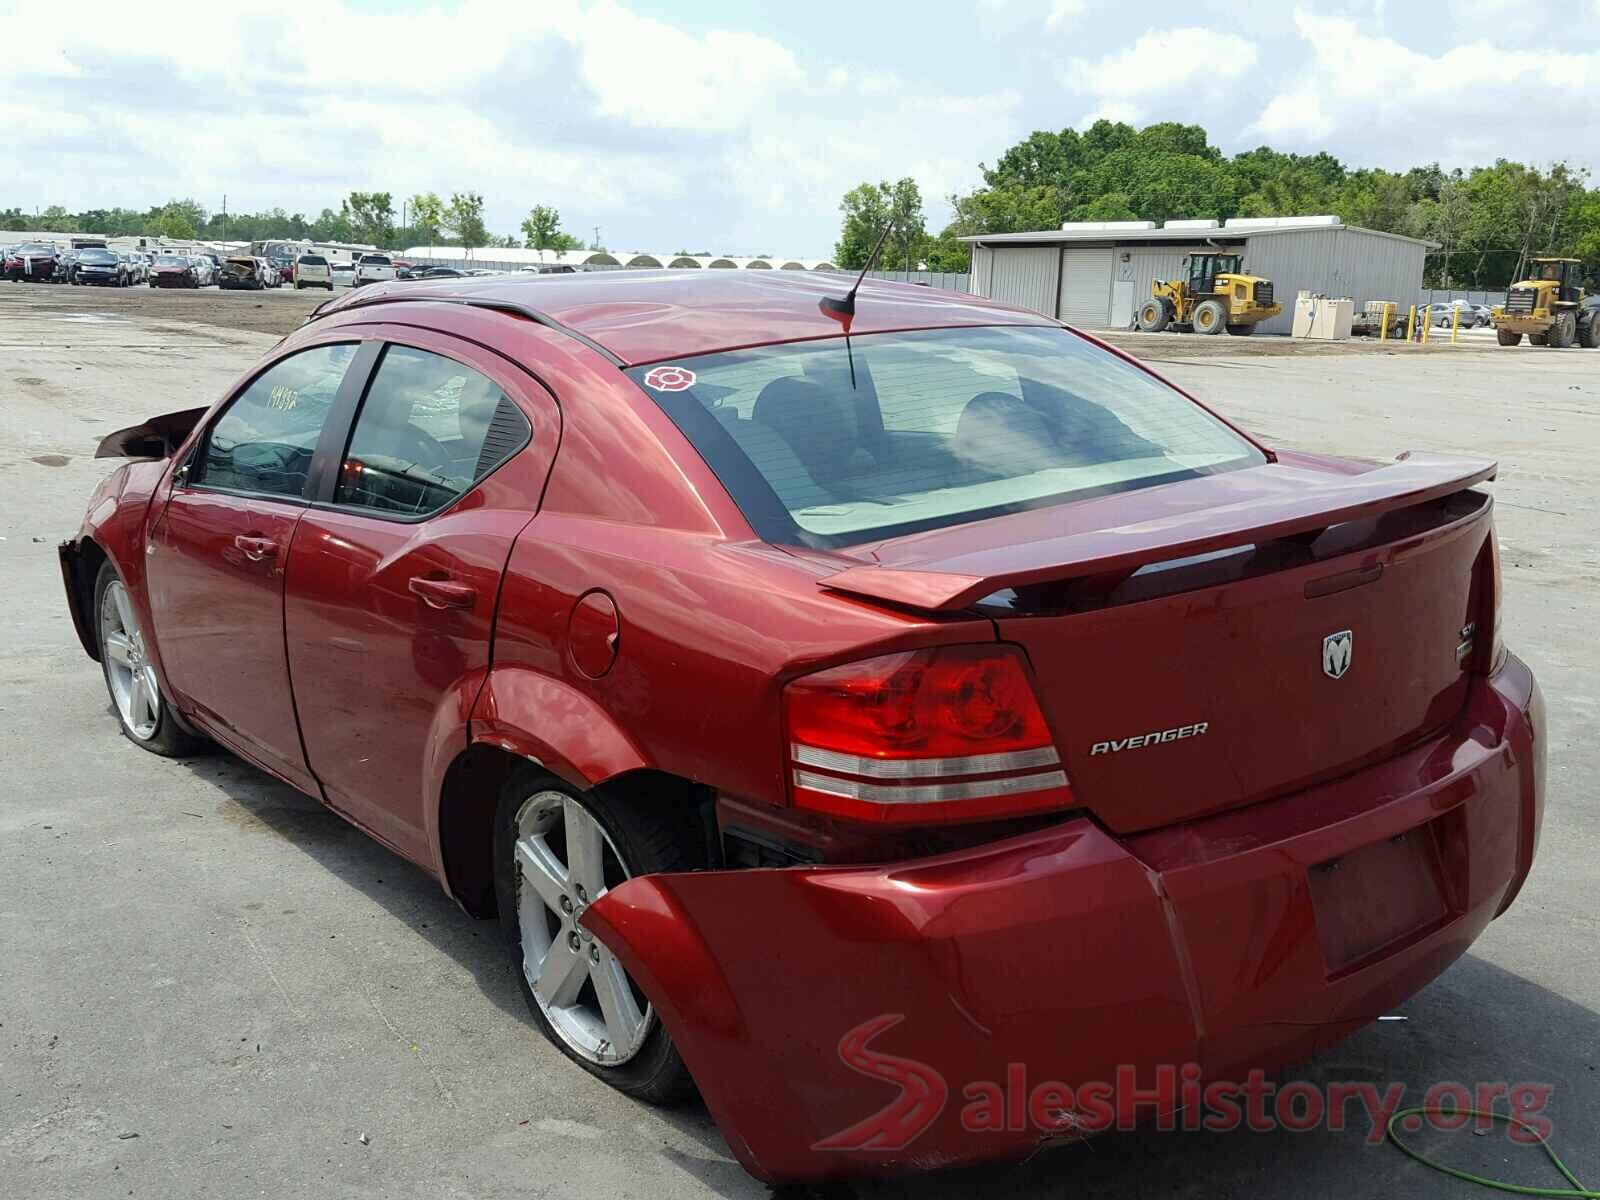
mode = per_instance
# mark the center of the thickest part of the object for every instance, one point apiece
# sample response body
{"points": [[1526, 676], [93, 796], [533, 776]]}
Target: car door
{"points": [[217, 553], [393, 581]]}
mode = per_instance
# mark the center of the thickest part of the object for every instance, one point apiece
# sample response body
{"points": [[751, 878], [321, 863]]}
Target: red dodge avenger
{"points": [[839, 701]]}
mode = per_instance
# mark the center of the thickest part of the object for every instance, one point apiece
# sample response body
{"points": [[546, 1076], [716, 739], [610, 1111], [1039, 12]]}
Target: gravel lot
{"points": [[213, 986]]}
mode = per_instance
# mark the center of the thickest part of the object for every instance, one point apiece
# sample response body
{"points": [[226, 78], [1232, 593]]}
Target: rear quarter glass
{"points": [[832, 443]]}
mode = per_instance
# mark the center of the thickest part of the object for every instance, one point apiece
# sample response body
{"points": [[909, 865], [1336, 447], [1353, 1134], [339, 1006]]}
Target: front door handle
{"points": [[442, 593], [256, 548]]}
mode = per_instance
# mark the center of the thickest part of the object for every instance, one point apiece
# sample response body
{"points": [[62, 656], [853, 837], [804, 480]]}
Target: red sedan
{"points": [[844, 708]]}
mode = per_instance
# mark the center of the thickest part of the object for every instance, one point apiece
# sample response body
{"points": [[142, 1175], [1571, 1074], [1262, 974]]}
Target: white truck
{"points": [[373, 268]]}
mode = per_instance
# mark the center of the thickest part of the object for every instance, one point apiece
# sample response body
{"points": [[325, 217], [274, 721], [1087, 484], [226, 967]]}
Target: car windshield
{"points": [[933, 428], [96, 256], [35, 248], [170, 260]]}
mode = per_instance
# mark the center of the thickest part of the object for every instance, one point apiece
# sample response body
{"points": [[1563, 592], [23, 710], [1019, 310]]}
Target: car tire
{"points": [[143, 713], [1508, 337], [1210, 317], [1563, 330], [1154, 315], [330, 287], [635, 835]]}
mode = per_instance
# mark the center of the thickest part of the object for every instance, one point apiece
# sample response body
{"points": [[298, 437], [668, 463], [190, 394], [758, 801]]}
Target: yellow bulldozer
{"points": [[1548, 307], [1212, 295]]}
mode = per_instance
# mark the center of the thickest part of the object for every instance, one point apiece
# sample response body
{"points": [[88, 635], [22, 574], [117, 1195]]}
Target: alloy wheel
{"points": [[129, 671], [565, 861]]}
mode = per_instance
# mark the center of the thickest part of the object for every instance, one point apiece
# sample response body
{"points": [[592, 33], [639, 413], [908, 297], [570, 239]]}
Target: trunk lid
{"points": [[1209, 643]]}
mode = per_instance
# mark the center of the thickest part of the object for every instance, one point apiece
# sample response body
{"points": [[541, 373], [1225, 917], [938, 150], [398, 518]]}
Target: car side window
{"points": [[264, 440], [429, 428]]}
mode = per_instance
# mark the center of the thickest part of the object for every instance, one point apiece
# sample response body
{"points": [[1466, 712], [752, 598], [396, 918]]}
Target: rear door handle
{"points": [[442, 593], [256, 548]]}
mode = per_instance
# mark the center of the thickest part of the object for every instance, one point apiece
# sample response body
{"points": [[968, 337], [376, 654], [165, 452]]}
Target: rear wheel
{"points": [[1244, 329], [1538, 339], [1589, 332], [1564, 330], [1210, 316], [130, 675], [1154, 316], [558, 850], [1508, 337]]}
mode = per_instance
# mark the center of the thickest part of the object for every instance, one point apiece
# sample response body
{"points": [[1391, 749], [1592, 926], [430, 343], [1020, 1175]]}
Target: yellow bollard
{"points": [[1411, 323], [1455, 324], [1427, 323], [1388, 315]]}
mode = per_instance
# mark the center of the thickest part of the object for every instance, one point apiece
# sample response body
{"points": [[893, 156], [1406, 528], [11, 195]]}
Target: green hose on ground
{"points": [[1576, 1192]]}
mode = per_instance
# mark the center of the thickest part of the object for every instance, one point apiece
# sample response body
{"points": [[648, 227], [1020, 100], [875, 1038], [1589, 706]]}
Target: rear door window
{"points": [[429, 428], [263, 442]]}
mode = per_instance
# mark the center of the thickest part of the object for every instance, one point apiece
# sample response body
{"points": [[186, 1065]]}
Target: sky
{"points": [[735, 127]]}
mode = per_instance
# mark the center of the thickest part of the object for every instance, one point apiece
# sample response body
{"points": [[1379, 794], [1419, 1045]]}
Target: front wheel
{"points": [[557, 851], [1154, 316], [1210, 317], [1243, 329], [130, 675], [1563, 330]]}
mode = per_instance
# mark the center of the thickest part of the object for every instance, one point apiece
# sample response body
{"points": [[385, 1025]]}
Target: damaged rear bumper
{"points": [[1250, 939]]}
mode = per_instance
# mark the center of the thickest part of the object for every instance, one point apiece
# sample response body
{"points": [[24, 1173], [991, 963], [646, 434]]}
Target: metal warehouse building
{"points": [[1096, 273]]}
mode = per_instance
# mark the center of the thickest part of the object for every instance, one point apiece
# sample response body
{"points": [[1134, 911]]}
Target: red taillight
{"points": [[952, 733]]}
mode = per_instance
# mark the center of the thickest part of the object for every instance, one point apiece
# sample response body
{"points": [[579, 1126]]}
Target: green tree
{"points": [[542, 228], [866, 215], [425, 211], [463, 219], [868, 209], [370, 216]]}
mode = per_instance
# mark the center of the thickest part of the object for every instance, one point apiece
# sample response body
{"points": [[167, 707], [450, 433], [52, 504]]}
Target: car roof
{"points": [[646, 316]]}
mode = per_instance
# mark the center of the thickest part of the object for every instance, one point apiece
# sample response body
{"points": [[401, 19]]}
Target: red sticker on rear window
{"points": [[669, 379]]}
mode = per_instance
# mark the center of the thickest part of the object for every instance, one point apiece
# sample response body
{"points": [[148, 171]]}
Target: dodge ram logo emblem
{"points": [[1336, 651]]}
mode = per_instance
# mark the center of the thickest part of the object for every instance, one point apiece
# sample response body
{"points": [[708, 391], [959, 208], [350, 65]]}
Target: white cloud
{"points": [[1064, 14], [1162, 62], [722, 137]]}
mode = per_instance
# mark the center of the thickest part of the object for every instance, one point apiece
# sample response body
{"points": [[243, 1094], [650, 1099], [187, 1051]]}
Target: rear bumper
{"points": [[1068, 954]]}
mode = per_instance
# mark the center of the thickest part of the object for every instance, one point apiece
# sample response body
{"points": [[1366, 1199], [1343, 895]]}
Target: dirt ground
{"points": [[283, 310]]}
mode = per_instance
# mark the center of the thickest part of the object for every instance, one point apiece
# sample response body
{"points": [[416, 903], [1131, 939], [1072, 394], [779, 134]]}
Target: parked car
{"points": [[373, 268], [205, 270], [958, 684], [36, 262], [103, 267], [1472, 315], [174, 270], [244, 271], [138, 265], [343, 274], [283, 266], [311, 270], [436, 273]]}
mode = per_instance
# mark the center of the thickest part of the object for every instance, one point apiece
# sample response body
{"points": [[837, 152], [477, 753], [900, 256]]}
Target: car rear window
{"points": [[374, 260], [313, 260], [827, 444]]}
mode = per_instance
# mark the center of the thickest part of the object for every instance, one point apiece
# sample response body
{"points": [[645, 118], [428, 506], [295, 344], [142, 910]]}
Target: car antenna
{"points": [[843, 308]]}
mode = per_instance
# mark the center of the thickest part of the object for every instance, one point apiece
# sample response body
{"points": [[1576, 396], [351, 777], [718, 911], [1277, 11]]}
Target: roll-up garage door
{"points": [[1025, 276], [1086, 287]]}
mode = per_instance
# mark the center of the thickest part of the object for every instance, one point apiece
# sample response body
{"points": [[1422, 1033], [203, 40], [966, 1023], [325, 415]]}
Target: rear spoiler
{"points": [[157, 437], [949, 570]]}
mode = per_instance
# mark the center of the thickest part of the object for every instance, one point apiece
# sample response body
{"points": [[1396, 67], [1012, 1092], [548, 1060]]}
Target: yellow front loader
{"points": [[1548, 307], [1212, 296]]}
